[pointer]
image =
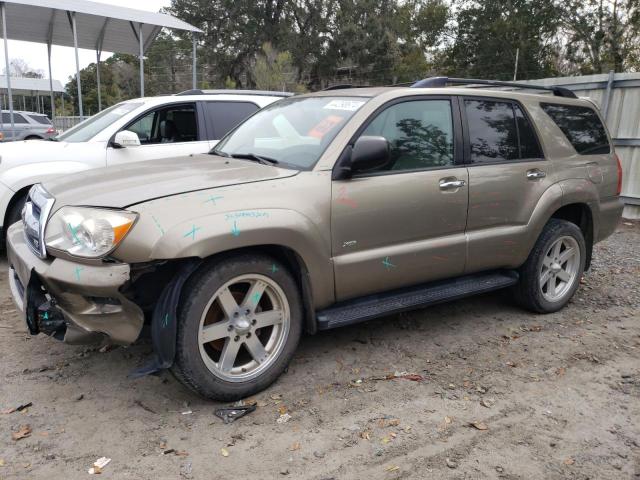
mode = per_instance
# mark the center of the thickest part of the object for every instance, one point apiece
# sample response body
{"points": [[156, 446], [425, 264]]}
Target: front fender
{"points": [[203, 236]]}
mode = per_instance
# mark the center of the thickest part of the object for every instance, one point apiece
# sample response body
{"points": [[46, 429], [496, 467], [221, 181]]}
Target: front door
{"points": [[168, 131], [403, 224]]}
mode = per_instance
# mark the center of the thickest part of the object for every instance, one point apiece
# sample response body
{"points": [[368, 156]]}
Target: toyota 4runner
{"points": [[319, 211]]}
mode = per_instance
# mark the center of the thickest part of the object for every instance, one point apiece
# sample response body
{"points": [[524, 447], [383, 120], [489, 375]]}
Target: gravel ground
{"points": [[506, 394]]}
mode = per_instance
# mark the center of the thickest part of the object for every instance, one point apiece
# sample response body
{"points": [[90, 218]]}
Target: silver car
{"points": [[26, 126]]}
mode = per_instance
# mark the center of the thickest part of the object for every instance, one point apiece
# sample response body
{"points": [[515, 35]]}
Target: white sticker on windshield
{"points": [[348, 105]]}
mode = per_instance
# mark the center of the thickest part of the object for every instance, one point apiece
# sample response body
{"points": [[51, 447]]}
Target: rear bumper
{"points": [[87, 296], [609, 217]]}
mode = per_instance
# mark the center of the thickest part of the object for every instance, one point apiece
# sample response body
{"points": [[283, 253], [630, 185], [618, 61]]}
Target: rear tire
{"points": [[239, 323], [551, 275]]}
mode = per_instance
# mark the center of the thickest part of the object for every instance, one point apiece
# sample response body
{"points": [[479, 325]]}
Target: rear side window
{"points": [[41, 119], [581, 126], [17, 118], [226, 115], [499, 131]]}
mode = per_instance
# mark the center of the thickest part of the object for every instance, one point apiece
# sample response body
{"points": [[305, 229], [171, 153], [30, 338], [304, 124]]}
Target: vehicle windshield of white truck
{"points": [[85, 131]]}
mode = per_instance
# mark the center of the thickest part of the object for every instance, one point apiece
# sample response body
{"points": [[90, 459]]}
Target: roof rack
{"points": [[264, 93], [439, 82], [338, 86], [341, 86]]}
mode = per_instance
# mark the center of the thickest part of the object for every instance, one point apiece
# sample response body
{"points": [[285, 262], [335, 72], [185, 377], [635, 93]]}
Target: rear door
{"points": [[164, 132], [20, 127], [403, 224], [507, 176]]}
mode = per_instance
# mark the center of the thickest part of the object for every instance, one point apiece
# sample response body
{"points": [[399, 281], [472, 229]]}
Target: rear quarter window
{"points": [[41, 119], [581, 126]]}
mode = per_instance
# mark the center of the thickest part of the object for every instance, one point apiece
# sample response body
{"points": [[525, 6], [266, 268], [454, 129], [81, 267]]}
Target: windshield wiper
{"points": [[220, 153], [256, 158]]}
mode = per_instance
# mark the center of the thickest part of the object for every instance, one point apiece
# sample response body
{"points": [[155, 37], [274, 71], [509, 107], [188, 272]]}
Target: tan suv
{"points": [[319, 211]]}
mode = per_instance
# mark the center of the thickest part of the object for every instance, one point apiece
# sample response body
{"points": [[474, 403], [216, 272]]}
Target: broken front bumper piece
{"points": [[74, 302]]}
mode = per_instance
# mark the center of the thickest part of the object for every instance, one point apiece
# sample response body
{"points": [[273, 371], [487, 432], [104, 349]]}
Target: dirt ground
{"points": [[555, 396]]}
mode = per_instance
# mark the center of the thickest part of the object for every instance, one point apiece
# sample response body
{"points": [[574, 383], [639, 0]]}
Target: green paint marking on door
{"points": [[387, 264]]}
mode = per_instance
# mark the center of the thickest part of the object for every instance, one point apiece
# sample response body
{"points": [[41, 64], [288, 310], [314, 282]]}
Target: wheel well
{"points": [[146, 291], [579, 214], [16, 198], [33, 137]]}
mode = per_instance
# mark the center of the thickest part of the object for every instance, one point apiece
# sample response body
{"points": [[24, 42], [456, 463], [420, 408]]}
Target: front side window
{"points": [[499, 131], [419, 132], [293, 131], [85, 131], [581, 126], [173, 124]]}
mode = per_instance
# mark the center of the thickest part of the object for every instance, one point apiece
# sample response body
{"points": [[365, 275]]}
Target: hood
{"points": [[28, 151], [125, 185]]}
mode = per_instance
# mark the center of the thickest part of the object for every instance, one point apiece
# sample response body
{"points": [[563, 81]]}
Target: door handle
{"points": [[451, 183], [535, 174]]}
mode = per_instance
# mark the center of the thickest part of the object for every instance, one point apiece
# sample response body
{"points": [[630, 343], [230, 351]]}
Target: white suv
{"points": [[141, 129]]}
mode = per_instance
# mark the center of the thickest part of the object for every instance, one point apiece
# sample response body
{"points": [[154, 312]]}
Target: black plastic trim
{"points": [[379, 305]]}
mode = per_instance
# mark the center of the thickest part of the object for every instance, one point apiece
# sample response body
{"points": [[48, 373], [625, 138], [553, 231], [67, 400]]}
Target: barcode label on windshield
{"points": [[348, 105]]}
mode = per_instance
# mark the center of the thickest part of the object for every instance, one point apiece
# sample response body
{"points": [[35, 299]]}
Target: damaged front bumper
{"points": [[72, 301]]}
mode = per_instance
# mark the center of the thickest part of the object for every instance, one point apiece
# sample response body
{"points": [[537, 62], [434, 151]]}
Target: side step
{"points": [[374, 306]]}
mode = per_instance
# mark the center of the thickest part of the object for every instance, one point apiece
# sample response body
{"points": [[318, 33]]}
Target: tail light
{"points": [[619, 189], [51, 130]]}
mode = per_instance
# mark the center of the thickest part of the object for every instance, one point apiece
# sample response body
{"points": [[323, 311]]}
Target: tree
{"points": [[118, 78], [19, 68], [275, 71], [602, 35], [489, 33]]}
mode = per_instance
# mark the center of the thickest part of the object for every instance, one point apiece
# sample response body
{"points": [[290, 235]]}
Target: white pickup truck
{"points": [[135, 130]]}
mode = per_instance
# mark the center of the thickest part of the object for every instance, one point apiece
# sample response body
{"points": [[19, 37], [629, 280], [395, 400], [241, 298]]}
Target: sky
{"points": [[63, 63]]}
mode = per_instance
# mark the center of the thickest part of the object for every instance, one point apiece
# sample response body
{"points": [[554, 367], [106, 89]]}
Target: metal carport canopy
{"points": [[114, 29], [86, 24]]}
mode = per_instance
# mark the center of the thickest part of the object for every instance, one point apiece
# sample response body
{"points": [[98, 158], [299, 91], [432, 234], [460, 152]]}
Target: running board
{"points": [[374, 306]]}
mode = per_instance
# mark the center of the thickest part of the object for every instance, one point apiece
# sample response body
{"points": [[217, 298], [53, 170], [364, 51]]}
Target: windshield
{"points": [[294, 132], [88, 129]]}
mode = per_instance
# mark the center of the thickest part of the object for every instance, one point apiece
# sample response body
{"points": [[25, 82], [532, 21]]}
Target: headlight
{"points": [[88, 232]]}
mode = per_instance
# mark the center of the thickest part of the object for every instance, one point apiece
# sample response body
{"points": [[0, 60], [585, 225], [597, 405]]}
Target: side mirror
{"points": [[126, 138], [369, 153]]}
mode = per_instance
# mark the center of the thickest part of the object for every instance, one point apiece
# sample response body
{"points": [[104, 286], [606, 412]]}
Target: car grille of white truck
{"points": [[34, 218]]}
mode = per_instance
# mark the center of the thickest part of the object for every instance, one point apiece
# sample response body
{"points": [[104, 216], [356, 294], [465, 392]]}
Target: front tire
{"points": [[551, 275], [239, 324]]}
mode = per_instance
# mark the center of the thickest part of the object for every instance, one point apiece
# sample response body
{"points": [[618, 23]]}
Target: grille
{"points": [[34, 218]]}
